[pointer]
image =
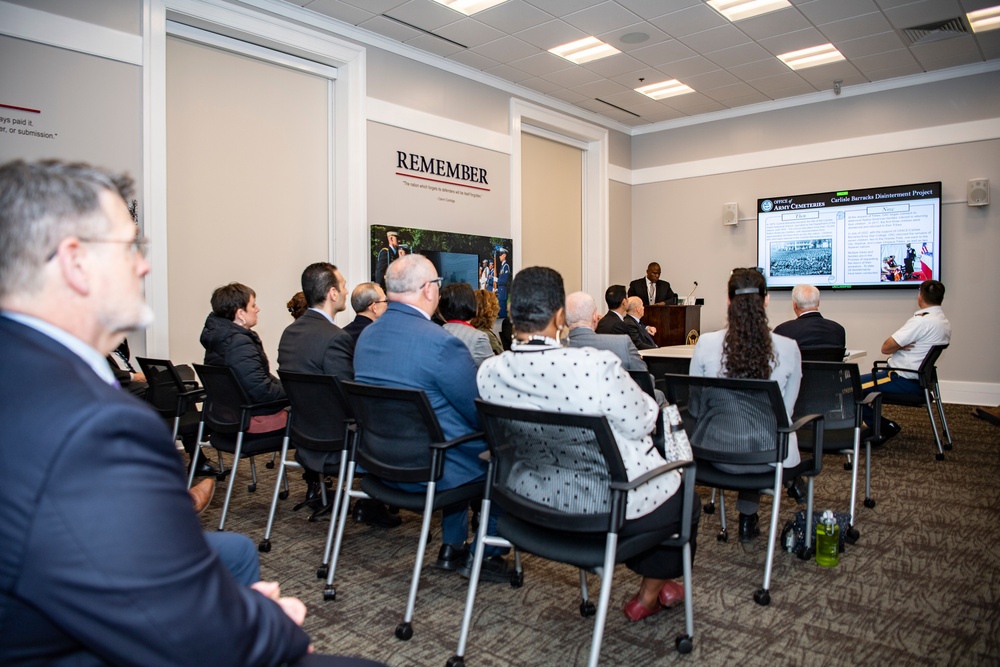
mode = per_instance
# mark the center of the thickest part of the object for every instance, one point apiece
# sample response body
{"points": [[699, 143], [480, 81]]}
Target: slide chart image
{"points": [[812, 257]]}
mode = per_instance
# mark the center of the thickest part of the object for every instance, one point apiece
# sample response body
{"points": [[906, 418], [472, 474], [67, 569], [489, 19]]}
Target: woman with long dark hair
{"points": [[746, 348]]}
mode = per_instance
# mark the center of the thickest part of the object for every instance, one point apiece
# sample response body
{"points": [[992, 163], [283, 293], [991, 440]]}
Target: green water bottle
{"points": [[827, 540]]}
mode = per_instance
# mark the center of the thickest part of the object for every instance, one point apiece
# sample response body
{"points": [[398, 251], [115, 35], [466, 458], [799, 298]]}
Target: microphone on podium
{"points": [[693, 290]]}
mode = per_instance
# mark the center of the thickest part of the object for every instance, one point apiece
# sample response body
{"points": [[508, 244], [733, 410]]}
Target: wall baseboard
{"points": [[971, 393]]}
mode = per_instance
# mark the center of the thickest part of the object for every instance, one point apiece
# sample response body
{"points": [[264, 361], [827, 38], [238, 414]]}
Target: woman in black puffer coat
{"points": [[228, 340]]}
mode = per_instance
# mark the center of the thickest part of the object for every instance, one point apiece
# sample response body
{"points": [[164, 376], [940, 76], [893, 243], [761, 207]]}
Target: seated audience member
{"points": [[539, 373], [746, 348], [487, 310], [506, 332], [457, 307], [613, 321], [368, 301], [651, 289], [297, 305], [229, 340], [641, 335], [809, 328], [582, 318], [908, 346], [131, 380], [440, 365], [105, 561]]}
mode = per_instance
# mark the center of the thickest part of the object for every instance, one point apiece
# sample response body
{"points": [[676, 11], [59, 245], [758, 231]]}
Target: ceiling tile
{"points": [[880, 61], [513, 16], [611, 112], [620, 63], [469, 32], [802, 89], [572, 77], [692, 101], [390, 28], [771, 84], [923, 12], [689, 21], [824, 11], [963, 48], [539, 84], [550, 34], [894, 72], [342, 11], [732, 92], [823, 76], [759, 69], [563, 7], [631, 79], [649, 9], [867, 46], [570, 96], [664, 52], [375, 6], [855, 28], [601, 88], [542, 63], [506, 49], [434, 45], [793, 41], [425, 14], [474, 60], [715, 39], [746, 100], [989, 42], [738, 55], [613, 37], [509, 73], [703, 82], [628, 99], [688, 67], [773, 24], [601, 18]]}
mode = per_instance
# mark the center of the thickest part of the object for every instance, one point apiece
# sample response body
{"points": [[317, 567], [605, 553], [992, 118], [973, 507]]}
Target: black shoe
{"points": [[374, 513], [204, 469], [495, 569], [889, 431], [748, 527], [452, 557], [795, 491]]}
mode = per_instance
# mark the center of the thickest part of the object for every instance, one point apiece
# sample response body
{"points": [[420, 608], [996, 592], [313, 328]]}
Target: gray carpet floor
{"points": [[920, 587]]}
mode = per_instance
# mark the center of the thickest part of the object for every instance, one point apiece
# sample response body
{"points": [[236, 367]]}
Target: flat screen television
{"points": [[886, 237]]}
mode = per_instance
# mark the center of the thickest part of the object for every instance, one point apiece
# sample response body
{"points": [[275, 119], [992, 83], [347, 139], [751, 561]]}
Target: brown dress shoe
{"points": [[201, 494]]}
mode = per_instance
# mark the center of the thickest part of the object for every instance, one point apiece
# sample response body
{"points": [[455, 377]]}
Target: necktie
{"points": [[652, 292]]}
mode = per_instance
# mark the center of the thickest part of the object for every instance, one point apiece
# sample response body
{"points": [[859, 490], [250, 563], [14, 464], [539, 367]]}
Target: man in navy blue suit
{"points": [[104, 560], [440, 365], [809, 328]]}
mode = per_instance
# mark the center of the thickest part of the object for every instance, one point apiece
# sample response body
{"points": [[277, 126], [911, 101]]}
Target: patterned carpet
{"points": [[921, 586]]}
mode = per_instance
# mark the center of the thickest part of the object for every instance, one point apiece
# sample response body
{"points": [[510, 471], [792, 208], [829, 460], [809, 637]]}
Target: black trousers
{"points": [[663, 562]]}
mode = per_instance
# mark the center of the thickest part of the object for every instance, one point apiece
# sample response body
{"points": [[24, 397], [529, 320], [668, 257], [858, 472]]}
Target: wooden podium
{"points": [[673, 323]]}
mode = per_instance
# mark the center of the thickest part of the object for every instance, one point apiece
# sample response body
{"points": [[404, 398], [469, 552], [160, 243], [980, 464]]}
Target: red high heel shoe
{"points": [[671, 595]]}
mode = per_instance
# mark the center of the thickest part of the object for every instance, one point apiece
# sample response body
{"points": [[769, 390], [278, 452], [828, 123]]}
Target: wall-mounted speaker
{"points": [[730, 214], [979, 192]]}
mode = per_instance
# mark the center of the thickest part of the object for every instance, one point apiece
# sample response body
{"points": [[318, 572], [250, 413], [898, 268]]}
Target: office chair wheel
{"points": [[947, 446], [329, 594], [322, 571], [455, 661], [404, 631], [762, 597], [264, 546], [939, 456], [848, 466], [587, 608], [869, 503], [684, 644], [852, 535], [709, 508], [283, 495], [221, 477], [251, 487], [723, 536], [804, 554], [517, 580]]}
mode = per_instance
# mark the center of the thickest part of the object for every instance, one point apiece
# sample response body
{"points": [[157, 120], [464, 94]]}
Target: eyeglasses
{"points": [[436, 280], [138, 246], [381, 301]]}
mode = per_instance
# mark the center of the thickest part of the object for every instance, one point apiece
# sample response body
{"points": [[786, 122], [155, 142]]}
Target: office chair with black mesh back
{"points": [[928, 379], [409, 447], [227, 413], [739, 422], [534, 457], [823, 353]]}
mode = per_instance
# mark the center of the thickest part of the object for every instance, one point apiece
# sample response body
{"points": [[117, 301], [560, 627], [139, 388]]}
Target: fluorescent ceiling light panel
{"points": [[470, 7], [984, 19], [737, 10], [663, 89], [584, 50], [811, 57]]}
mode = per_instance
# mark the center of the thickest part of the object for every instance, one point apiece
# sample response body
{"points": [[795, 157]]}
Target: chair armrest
{"points": [[884, 363], [461, 440], [652, 474], [871, 398], [800, 422], [197, 393]]}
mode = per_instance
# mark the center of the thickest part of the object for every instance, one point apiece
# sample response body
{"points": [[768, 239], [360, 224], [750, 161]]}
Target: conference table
{"points": [[687, 351]]}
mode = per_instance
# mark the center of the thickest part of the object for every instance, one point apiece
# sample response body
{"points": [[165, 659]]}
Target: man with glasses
{"points": [[105, 560], [440, 365]]}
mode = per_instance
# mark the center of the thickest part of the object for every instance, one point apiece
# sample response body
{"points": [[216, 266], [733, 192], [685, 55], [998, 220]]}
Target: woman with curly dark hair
{"points": [[487, 309], [746, 348]]}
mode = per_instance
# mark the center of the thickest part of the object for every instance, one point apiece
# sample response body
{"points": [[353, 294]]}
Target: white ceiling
{"points": [[729, 65]]}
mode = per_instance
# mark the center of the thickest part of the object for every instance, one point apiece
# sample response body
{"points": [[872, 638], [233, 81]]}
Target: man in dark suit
{"points": [[582, 318], [104, 559], [440, 365], [613, 321], [640, 334], [651, 285], [809, 328], [368, 301]]}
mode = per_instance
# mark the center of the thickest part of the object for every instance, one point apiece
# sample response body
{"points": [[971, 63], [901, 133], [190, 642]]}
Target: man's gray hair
{"points": [[408, 274], [42, 203], [806, 297], [580, 309], [633, 304], [363, 296]]}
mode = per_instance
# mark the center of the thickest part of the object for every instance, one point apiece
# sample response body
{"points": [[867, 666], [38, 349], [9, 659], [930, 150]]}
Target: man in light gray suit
{"points": [[582, 318]]}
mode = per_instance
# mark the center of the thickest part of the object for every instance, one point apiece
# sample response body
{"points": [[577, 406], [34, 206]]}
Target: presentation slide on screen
{"points": [[857, 238]]}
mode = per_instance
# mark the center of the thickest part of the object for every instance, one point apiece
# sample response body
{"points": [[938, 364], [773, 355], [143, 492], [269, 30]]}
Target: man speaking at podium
{"points": [[651, 289]]}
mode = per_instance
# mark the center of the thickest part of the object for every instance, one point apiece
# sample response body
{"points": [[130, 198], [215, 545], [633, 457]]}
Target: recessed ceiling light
{"points": [[811, 57], [470, 7], [584, 50], [663, 89], [984, 19], [737, 10]]}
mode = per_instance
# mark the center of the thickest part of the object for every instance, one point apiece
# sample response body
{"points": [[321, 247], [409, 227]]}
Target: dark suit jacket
{"points": [[612, 324], [640, 337], [620, 345], [663, 292], [811, 330], [313, 344], [436, 362], [359, 324], [103, 561]]}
